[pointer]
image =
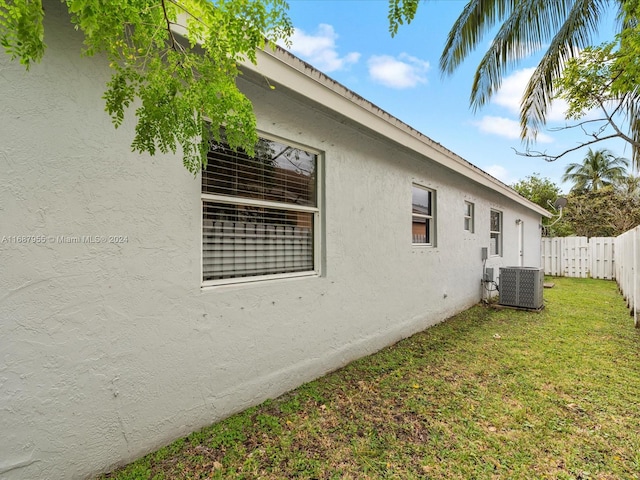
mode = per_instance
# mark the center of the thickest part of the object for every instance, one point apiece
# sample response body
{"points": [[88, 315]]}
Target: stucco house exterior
{"points": [[138, 303]]}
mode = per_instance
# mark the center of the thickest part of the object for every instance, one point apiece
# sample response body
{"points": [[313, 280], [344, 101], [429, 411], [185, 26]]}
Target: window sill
{"points": [[238, 282]]}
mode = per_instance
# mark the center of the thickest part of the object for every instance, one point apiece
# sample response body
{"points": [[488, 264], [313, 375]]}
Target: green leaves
{"points": [[543, 192], [587, 80], [606, 78], [21, 31], [604, 212], [540, 191], [401, 11], [176, 60]]}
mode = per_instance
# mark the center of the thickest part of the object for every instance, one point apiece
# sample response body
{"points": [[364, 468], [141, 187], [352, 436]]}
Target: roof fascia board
{"points": [[280, 67]]}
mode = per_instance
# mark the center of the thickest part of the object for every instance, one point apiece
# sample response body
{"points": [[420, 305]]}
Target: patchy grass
{"points": [[487, 394]]}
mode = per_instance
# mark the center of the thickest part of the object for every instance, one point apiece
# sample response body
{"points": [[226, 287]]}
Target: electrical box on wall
{"points": [[488, 275], [485, 253]]}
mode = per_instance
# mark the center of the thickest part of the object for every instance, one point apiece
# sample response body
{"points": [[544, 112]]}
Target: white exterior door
{"points": [[520, 243]]}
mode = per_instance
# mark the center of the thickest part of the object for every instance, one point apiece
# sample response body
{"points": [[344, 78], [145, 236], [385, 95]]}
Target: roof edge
{"points": [[309, 82]]}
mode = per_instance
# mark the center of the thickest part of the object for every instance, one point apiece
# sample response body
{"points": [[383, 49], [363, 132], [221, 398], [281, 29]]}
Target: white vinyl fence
{"points": [[627, 271], [598, 257], [580, 257]]}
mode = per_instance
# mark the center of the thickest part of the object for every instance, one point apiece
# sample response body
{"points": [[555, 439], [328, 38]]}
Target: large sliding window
{"points": [[260, 214]]}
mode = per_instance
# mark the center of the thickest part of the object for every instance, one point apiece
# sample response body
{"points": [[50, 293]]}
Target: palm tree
{"points": [[600, 168], [629, 186], [564, 27]]}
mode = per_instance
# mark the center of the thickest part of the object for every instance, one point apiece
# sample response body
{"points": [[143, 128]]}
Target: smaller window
{"points": [[468, 216], [422, 216], [496, 233]]}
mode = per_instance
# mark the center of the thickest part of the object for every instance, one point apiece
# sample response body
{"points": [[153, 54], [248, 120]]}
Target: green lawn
{"points": [[487, 394]]}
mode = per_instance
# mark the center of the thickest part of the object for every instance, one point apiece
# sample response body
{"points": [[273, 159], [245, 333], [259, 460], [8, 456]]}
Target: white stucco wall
{"points": [[109, 350]]}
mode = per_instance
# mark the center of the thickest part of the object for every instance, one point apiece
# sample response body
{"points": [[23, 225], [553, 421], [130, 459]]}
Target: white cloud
{"points": [[320, 49], [506, 127], [404, 71], [510, 95], [501, 173], [512, 88], [558, 111]]}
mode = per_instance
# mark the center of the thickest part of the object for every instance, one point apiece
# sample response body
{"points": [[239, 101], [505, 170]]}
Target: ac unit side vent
{"points": [[522, 287]]}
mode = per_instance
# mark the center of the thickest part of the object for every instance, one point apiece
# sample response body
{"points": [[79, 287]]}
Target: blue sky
{"points": [[349, 41]]}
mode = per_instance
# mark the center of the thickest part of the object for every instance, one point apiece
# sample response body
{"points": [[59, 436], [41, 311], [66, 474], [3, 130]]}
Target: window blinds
{"points": [[258, 212]]}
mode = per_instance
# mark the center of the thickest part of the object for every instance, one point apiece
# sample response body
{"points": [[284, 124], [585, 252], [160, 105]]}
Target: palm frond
{"points": [[530, 25], [600, 168], [631, 109], [477, 18], [576, 33]]}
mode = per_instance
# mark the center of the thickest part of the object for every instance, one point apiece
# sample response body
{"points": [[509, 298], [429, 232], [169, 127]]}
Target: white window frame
{"points": [[469, 216], [497, 251], [233, 200], [430, 218]]}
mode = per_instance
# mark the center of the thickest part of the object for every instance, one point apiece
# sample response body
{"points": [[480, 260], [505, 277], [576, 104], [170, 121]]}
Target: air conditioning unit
{"points": [[522, 287]]}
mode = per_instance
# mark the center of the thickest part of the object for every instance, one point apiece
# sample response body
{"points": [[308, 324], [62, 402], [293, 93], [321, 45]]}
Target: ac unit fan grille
{"points": [[522, 287]]}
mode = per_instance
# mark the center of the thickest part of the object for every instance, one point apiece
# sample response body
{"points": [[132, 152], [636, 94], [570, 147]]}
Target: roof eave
{"points": [[281, 67]]}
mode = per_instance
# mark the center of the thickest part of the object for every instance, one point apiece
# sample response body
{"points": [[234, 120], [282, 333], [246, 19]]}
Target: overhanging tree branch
{"points": [[551, 158], [184, 81]]}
